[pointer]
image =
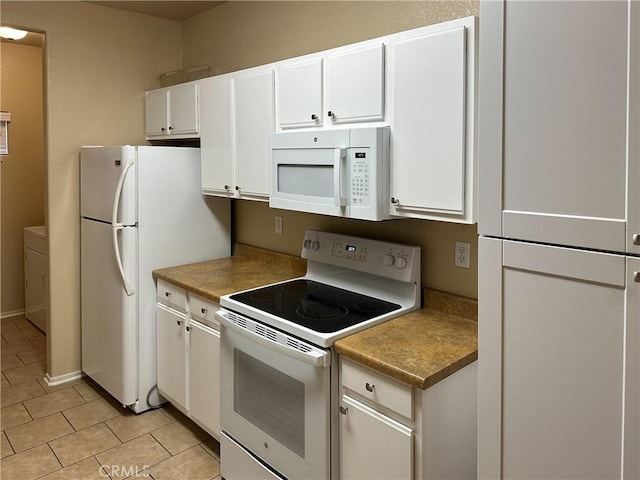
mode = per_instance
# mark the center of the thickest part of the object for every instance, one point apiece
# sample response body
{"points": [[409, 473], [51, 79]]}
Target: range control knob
{"points": [[401, 262], [307, 243], [389, 260], [315, 245]]}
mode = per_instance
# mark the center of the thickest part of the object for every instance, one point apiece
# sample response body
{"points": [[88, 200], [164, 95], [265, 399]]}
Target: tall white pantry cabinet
{"points": [[559, 248]]}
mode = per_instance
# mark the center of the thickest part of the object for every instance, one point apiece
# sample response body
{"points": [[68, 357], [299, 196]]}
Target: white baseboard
{"points": [[60, 379], [12, 313]]}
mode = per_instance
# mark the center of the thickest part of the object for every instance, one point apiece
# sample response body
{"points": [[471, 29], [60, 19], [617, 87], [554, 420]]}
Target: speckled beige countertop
{"points": [[250, 267], [420, 348]]}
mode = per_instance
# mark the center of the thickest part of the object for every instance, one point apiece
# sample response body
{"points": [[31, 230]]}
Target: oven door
{"points": [[275, 398]]}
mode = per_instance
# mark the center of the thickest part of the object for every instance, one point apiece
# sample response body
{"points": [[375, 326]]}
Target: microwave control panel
{"points": [[360, 175]]}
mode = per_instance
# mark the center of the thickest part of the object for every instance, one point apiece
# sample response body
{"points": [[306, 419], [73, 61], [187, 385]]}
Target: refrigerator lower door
{"points": [[109, 315]]}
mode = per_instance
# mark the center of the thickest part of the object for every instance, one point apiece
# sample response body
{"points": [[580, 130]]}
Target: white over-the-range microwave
{"points": [[341, 172]]}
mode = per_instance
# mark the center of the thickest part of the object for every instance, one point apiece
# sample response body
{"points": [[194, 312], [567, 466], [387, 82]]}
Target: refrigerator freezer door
{"points": [[101, 169], [109, 322]]}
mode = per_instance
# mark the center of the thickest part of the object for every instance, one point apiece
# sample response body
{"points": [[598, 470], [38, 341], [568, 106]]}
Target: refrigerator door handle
{"points": [[116, 197], [115, 227], [127, 286]]}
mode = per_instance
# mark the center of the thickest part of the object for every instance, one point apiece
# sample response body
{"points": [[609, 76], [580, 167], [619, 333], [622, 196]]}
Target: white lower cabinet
{"points": [[171, 335], [188, 356], [376, 425], [391, 430], [204, 365], [378, 446]]}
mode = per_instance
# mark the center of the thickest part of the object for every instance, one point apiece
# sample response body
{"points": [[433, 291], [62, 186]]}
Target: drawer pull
{"points": [[369, 386], [204, 311], [343, 410], [167, 294], [179, 322]]}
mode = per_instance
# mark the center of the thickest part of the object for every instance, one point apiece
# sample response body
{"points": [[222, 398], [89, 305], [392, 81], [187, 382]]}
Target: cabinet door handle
{"points": [[204, 311], [170, 128], [369, 386], [237, 187], [167, 294], [394, 200], [636, 277], [188, 329], [179, 322], [162, 129], [314, 116], [636, 238], [331, 114], [343, 410], [227, 187]]}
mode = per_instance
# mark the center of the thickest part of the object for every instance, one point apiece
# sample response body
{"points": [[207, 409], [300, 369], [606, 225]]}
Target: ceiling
{"points": [[173, 10]]}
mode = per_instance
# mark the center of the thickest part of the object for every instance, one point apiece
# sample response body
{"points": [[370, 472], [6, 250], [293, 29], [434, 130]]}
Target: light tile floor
{"points": [[78, 431]]}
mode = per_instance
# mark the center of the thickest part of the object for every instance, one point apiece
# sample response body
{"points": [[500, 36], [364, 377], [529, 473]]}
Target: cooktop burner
{"points": [[317, 306]]}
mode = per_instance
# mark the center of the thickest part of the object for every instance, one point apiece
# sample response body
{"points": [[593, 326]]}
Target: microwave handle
{"points": [[338, 163]]}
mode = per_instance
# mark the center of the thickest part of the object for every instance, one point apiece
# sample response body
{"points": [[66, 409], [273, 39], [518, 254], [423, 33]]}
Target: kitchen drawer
{"points": [[377, 387], [204, 310], [171, 295]]}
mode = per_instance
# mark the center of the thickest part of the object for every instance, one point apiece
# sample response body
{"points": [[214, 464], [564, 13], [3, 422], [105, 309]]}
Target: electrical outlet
{"points": [[279, 224], [462, 255]]}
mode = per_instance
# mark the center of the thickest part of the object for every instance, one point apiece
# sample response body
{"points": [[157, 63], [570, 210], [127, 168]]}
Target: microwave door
{"points": [[309, 180]]}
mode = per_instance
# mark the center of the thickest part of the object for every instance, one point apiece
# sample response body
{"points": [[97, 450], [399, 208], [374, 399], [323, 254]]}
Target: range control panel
{"points": [[386, 259]]}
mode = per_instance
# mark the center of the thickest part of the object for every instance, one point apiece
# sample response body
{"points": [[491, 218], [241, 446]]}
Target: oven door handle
{"points": [[313, 357]]}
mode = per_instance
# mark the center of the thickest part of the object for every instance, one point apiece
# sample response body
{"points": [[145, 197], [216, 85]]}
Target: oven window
{"points": [[270, 400], [307, 180]]}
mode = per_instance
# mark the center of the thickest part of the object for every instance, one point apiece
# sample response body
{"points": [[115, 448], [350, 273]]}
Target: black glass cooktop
{"points": [[315, 305]]}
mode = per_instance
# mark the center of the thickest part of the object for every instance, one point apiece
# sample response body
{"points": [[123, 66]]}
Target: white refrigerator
{"points": [[141, 209]]}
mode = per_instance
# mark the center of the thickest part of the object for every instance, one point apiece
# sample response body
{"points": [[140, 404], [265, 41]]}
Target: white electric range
{"points": [[278, 371]]}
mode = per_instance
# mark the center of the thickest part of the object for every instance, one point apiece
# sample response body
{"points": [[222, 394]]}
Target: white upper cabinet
{"points": [[300, 94], [432, 114], [355, 85], [216, 139], [254, 122], [156, 112], [345, 85], [560, 128], [421, 83], [237, 118], [172, 111]]}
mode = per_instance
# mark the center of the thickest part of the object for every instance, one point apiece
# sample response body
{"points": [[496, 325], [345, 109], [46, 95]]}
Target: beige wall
{"points": [[99, 62], [238, 35], [23, 184]]}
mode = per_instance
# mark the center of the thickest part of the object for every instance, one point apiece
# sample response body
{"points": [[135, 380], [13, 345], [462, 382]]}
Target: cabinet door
{"points": [[171, 355], [216, 136], [156, 112], [429, 117], [204, 377], [300, 94], [254, 122], [355, 85], [555, 355], [372, 445], [183, 109], [560, 123]]}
